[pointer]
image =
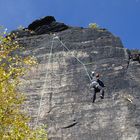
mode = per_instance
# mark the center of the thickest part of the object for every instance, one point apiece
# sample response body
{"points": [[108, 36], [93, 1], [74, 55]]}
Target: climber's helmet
{"points": [[92, 73]]}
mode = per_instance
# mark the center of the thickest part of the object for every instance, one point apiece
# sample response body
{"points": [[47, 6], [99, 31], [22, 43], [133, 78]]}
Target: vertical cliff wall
{"points": [[61, 83]]}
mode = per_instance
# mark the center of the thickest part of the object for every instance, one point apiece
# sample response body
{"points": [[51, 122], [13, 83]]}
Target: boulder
{"points": [[44, 25], [40, 22]]}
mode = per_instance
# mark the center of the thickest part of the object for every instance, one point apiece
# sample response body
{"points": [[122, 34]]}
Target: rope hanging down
{"points": [[56, 37], [42, 92], [50, 55]]}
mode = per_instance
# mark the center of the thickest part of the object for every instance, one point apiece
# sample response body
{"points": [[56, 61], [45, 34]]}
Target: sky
{"points": [[121, 17]]}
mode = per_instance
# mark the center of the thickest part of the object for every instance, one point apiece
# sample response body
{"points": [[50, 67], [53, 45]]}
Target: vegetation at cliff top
{"points": [[14, 123], [93, 26], [134, 51]]}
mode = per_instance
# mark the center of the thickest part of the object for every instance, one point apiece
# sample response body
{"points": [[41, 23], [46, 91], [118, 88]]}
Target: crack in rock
{"points": [[70, 125]]}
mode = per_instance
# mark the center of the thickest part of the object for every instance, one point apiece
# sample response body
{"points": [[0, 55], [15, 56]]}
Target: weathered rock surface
{"points": [[44, 25], [135, 57], [40, 22], [51, 28], [23, 32], [61, 84]]}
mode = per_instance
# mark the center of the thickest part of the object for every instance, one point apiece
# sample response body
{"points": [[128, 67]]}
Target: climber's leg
{"points": [[94, 95], [102, 93], [101, 90]]}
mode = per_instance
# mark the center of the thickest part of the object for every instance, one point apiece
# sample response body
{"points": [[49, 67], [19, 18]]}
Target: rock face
{"points": [[44, 25], [58, 88], [40, 22], [135, 57]]}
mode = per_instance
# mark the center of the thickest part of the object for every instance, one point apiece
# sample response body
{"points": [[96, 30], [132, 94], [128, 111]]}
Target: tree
{"points": [[14, 123]]}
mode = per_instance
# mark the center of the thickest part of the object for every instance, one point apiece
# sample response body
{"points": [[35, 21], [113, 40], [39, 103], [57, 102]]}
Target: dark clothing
{"points": [[98, 88], [100, 83]]}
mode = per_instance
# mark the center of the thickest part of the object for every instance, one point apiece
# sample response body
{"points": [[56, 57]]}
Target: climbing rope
{"points": [[56, 37], [50, 55], [42, 92]]}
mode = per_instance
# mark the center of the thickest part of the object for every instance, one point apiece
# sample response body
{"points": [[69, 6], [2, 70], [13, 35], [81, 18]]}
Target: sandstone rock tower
{"points": [[61, 83]]}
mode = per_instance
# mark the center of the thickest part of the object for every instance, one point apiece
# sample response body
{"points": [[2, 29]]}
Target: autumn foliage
{"points": [[14, 123]]}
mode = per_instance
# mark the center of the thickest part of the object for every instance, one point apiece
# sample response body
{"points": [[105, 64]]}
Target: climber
{"points": [[97, 86]]}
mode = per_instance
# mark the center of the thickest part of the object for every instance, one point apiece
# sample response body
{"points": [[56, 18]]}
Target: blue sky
{"points": [[121, 17]]}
